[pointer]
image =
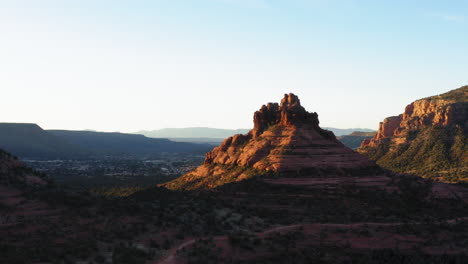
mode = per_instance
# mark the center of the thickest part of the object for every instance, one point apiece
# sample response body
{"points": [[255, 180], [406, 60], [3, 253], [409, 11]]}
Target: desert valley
{"points": [[287, 191], [233, 132]]}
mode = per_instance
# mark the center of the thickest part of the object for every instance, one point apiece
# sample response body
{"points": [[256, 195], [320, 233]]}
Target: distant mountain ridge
{"points": [[197, 134], [31, 141], [192, 132], [120, 143], [347, 131], [28, 140], [355, 139]]}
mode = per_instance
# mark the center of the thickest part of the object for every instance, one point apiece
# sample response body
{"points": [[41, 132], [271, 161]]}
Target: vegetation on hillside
{"points": [[425, 146], [433, 152], [137, 226], [355, 139], [456, 95], [214, 177]]}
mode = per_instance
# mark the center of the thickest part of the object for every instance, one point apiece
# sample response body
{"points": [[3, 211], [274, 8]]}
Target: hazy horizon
{"points": [[145, 65], [164, 128]]}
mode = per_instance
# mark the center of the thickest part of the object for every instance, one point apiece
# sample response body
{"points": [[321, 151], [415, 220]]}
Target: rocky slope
{"points": [[428, 139], [285, 139], [13, 173]]}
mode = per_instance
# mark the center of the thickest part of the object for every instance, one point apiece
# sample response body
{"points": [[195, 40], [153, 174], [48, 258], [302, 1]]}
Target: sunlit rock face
{"points": [[428, 139], [285, 139], [433, 111]]}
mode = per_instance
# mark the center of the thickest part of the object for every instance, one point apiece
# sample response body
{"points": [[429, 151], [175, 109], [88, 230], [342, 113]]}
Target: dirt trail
{"points": [[171, 258]]}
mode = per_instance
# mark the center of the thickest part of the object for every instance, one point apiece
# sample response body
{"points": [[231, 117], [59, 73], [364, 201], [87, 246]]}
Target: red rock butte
{"points": [[285, 139]]}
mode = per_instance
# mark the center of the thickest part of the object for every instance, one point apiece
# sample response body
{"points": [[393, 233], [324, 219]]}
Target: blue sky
{"points": [[132, 65]]}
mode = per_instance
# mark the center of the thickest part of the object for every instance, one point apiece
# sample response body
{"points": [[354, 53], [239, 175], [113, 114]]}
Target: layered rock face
{"points": [[285, 139], [431, 134]]}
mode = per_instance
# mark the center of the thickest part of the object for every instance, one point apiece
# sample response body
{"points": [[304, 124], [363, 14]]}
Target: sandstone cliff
{"points": [[285, 139], [428, 139]]}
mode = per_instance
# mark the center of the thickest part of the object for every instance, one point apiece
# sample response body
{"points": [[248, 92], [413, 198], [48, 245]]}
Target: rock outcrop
{"points": [[429, 138], [285, 139]]}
